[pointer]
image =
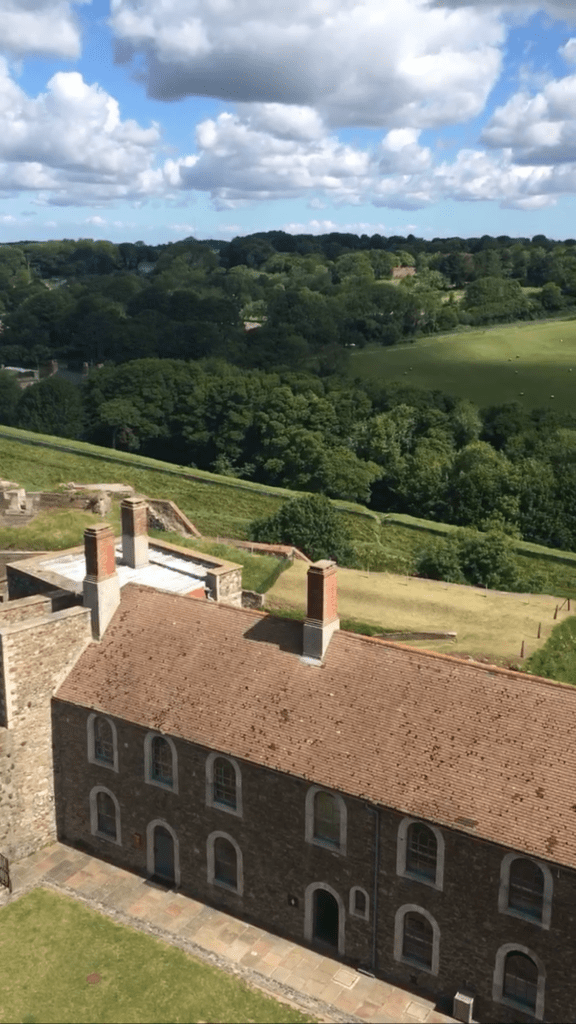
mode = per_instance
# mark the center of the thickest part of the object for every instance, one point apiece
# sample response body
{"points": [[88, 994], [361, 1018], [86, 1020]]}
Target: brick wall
{"points": [[34, 655], [278, 864]]}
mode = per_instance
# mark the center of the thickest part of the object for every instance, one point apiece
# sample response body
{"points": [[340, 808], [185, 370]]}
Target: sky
{"points": [[157, 120]]}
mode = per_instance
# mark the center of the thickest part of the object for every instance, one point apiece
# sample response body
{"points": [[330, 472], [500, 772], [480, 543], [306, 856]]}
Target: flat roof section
{"points": [[165, 571]]}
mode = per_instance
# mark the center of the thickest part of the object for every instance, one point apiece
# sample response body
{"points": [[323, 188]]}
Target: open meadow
{"points": [[533, 363], [488, 623]]}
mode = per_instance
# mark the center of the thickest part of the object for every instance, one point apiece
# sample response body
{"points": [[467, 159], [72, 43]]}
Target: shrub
{"points": [[479, 559], [310, 523]]}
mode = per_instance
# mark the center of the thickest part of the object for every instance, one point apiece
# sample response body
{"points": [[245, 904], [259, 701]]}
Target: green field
{"points": [[50, 945], [528, 363]]}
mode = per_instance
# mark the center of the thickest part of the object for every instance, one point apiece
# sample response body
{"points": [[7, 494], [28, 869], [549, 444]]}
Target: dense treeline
{"points": [[395, 448], [307, 298]]}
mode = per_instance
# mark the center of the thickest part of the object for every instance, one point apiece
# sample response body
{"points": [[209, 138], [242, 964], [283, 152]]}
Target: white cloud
{"points": [[98, 221], [540, 129], [43, 27], [568, 51], [320, 227], [374, 63], [72, 140]]}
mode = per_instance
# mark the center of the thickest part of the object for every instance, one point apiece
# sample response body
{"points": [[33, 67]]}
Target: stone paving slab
{"points": [[318, 985]]}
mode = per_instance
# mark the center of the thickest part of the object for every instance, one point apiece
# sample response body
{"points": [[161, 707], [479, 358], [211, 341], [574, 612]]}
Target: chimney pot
{"points": [[134, 513]]}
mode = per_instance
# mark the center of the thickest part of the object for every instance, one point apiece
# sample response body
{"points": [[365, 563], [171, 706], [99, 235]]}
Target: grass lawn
{"points": [[489, 366], [50, 944], [488, 622], [557, 658]]}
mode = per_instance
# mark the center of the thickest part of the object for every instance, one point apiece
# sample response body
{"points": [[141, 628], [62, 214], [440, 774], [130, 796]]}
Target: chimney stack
{"points": [[322, 609], [134, 532], [101, 583]]}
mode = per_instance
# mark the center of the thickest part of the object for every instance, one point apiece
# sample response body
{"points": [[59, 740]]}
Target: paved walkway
{"points": [[300, 976]]}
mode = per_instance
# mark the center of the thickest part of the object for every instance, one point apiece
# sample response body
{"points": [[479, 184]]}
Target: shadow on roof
{"points": [[286, 634]]}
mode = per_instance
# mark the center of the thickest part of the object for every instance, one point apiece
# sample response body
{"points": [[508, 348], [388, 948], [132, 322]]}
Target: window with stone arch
{"points": [[420, 852], [417, 938], [326, 819], [160, 761], [105, 815], [526, 888], [359, 902], [519, 980], [225, 865], [102, 741], [224, 784]]}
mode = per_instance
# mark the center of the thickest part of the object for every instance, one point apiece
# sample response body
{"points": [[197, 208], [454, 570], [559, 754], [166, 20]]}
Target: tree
{"points": [[478, 559], [10, 394], [54, 406], [310, 523]]}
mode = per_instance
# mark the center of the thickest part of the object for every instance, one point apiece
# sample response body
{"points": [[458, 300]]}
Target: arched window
{"points": [[526, 887], [104, 814], [102, 741], [519, 979], [160, 761], [526, 892], [326, 819], [225, 862], [417, 938], [420, 852], [359, 902], [224, 784]]}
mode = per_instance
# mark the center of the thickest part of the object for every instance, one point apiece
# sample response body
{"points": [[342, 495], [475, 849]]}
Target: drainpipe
{"points": [[374, 966]]}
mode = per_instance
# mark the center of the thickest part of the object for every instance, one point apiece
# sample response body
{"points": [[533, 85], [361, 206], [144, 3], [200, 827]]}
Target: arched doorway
{"points": [[164, 855], [325, 919]]}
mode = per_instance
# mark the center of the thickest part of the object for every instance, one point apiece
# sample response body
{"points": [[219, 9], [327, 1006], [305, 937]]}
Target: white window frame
{"points": [[309, 821], [402, 851], [309, 913], [498, 982], [148, 740], [150, 827], [504, 891], [210, 801], [94, 815], [211, 863], [352, 905], [90, 727], [399, 938]]}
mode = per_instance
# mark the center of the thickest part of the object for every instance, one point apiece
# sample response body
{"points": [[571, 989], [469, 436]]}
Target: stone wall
{"points": [[35, 655], [278, 865], [165, 515]]}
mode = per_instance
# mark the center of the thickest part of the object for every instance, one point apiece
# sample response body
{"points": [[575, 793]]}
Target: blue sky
{"points": [[159, 119]]}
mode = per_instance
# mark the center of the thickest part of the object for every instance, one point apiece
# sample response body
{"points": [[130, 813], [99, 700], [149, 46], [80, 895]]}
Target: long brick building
{"points": [[409, 812]]}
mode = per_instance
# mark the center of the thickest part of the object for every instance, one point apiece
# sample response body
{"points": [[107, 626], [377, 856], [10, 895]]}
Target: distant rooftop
{"points": [[165, 571]]}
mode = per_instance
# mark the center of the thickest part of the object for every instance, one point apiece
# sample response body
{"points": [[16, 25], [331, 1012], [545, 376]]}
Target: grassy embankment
{"points": [[141, 978], [557, 658], [527, 362], [486, 622]]}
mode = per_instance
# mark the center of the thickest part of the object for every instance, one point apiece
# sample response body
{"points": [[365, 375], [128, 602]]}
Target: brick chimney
{"points": [[101, 583], [134, 532], [322, 609]]}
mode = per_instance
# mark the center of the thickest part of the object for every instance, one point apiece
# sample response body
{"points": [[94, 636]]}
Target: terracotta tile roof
{"points": [[476, 748]]}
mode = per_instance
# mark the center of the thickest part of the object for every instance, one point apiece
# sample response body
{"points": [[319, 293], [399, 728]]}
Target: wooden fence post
{"points": [[522, 650], [539, 628]]}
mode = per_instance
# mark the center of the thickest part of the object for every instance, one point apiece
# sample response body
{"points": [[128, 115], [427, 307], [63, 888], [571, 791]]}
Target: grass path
{"points": [[488, 623]]}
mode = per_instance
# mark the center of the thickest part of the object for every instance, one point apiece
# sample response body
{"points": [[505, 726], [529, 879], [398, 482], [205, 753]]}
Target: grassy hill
{"points": [[487, 622], [528, 363], [223, 506]]}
